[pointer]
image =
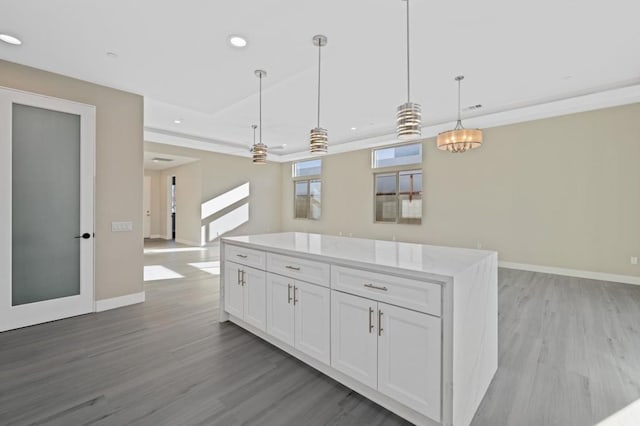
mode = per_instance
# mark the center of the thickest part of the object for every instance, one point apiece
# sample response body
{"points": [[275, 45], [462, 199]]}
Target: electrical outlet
{"points": [[634, 260]]}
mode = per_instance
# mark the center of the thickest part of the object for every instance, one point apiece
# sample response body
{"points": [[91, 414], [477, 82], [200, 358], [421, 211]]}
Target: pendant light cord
{"points": [[459, 120], [260, 108], [408, 62], [319, 62]]}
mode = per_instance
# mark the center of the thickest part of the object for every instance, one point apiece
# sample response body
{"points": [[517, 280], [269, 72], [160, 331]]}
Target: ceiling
{"points": [[513, 54], [161, 161]]}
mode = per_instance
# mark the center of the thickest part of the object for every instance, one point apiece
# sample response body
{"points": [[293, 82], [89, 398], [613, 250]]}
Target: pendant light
{"points": [[259, 150], [408, 121], [459, 139], [319, 137]]}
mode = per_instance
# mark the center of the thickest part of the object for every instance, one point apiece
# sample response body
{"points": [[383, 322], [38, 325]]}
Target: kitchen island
{"points": [[412, 327]]}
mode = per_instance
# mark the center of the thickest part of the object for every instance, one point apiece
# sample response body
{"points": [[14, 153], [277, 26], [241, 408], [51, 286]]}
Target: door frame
{"points": [[12, 317]]}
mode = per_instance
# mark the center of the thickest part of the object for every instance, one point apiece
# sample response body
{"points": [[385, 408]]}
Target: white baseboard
{"points": [[601, 276], [156, 236], [118, 302], [189, 243]]}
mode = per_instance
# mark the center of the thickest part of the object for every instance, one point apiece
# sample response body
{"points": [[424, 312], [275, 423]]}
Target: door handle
{"points": [[370, 319], [379, 322], [376, 287], [84, 236], [289, 293]]}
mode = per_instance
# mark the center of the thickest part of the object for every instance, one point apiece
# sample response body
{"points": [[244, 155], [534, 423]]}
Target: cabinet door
{"points": [[233, 303], [312, 320], [354, 340], [409, 358], [280, 309], [255, 297]]}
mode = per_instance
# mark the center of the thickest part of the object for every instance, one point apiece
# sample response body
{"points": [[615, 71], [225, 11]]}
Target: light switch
{"points": [[122, 226]]}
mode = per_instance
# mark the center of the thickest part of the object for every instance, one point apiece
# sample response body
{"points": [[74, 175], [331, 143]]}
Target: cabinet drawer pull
{"points": [[244, 256], [376, 287], [295, 300], [295, 268], [289, 293], [370, 319], [379, 322], [239, 277], [243, 282]]}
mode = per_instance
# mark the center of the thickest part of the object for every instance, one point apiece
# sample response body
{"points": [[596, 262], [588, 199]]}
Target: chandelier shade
{"points": [[459, 139]]}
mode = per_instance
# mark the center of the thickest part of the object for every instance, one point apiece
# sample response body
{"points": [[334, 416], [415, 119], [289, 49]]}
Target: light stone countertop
{"points": [[435, 261]]}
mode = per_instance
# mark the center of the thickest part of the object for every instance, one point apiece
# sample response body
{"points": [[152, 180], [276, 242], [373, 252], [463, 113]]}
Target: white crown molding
{"points": [[118, 302], [600, 276], [604, 99], [186, 140]]}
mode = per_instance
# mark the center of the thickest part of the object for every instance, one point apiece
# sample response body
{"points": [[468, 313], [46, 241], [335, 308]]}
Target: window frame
{"points": [[308, 179], [410, 166], [396, 169]]}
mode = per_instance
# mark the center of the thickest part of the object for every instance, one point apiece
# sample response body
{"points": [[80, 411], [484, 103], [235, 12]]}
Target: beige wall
{"points": [[215, 174], [118, 187], [561, 192]]}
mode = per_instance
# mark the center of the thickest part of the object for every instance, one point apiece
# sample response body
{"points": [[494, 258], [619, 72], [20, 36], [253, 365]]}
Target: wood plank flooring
{"points": [[569, 355]]}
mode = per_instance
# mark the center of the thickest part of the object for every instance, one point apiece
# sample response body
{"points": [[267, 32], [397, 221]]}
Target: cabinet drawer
{"points": [[301, 269], [421, 296], [245, 256]]}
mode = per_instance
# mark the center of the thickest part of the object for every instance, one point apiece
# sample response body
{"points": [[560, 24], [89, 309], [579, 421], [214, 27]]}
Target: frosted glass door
{"points": [[45, 204], [46, 214]]}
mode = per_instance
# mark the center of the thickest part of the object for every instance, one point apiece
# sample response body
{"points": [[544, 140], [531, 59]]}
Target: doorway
{"points": [[171, 208], [46, 184]]}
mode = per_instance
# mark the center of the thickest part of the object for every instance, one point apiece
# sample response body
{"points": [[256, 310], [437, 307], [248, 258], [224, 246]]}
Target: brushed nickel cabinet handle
{"points": [[295, 300], [238, 277], [244, 256], [289, 293], [376, 287], [243, 282], [370, 319], [379, 322], [295, 268]]}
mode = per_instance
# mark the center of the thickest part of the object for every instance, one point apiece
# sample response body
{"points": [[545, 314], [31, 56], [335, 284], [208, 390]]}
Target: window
{"points": [[398, 197], [397, 155], [307, 189]]}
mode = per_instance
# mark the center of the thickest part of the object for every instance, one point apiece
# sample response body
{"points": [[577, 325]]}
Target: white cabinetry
{"points": [[354, 343], [412, 327], [298, 313], [245, 293], [409, 348], [391, 349]]}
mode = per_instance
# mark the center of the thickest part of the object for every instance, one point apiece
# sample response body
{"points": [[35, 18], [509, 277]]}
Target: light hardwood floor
{"points": [[569, 355]]}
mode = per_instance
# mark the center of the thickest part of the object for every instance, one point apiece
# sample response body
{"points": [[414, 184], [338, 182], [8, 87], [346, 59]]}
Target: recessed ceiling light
{"points": [[237, 41], [353, 128], [177, 121], [10, 39]]}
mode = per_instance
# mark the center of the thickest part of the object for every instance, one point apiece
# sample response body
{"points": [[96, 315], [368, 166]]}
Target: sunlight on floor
{"points": [[212, 268], [172, 250], [628, 416], [159, 272]]}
